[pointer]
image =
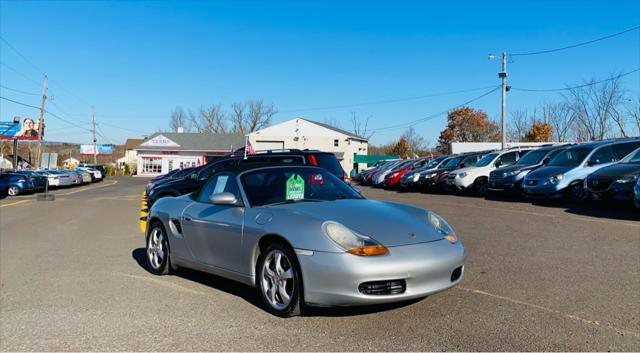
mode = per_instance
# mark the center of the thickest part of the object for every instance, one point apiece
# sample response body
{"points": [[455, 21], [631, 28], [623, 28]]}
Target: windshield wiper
{"points": [[285, 202]]}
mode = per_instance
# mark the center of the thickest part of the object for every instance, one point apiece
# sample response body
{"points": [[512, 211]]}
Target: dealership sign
{"points": [[159, 141], [101, 149]]}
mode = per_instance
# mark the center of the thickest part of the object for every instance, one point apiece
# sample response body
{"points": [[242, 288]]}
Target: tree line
{"points": [[242, 118]]}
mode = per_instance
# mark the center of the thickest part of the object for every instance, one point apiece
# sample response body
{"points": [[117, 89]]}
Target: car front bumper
{"points": [[460, 183], [332, 279], [617, 191], [544, 191]]}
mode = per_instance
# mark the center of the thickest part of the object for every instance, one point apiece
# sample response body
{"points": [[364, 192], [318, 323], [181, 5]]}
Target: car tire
{"points": [[481, 186], [279, 281], [13, 190], [576, 191], [157, 250]]}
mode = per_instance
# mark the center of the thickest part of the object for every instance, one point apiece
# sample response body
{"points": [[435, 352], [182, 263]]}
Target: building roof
{"points": [[174, 141], [132, 143], [344, 132]]}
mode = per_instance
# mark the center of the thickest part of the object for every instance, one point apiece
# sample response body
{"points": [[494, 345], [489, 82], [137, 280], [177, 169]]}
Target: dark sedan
{"points": [[616, 181]]}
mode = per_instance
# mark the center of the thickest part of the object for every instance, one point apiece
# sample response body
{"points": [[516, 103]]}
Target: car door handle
{"points": [[186, 219]]}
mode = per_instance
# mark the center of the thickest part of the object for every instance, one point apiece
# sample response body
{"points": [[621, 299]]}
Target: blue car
{"points": [[13, 184], [636, 194], [564, 175]]}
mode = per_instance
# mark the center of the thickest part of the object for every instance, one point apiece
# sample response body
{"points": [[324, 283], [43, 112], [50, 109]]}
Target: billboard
{"points": [[49, 161], [27, 129], [102, 149]]}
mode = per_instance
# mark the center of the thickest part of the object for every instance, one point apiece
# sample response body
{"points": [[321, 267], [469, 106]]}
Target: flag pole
{"points": [[246, 140]]}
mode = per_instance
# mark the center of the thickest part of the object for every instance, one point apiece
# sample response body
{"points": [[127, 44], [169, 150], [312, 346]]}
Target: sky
{"points": [[136, 61]]}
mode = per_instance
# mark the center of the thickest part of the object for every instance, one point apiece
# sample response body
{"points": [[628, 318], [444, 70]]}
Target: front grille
{"points": [[497, 176], [598, 184], [383, 287], [451, 176]]}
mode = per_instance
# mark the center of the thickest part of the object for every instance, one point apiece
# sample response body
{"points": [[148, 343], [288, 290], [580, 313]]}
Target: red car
{"points": [[393, 178]]}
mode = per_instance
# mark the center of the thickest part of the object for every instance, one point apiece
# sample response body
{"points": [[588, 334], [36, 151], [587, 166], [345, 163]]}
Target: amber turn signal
{"points": [[452, 238], [371, 250]]}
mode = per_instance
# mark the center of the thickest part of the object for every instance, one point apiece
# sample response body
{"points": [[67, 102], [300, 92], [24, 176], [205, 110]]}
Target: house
{"points": [[165, 151], [130, 154], [303, 133]]}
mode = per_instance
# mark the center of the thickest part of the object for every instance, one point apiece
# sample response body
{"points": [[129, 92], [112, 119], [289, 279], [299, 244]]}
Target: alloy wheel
{"points": [[278, 279], [13, 190], [156, 251]]}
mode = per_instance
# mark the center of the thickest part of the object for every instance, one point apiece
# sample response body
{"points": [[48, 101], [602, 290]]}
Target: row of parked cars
{"points": [[13, 183], [607, 169]]}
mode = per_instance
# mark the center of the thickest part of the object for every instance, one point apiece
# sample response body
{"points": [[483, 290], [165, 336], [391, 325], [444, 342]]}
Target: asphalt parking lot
{"points": [[538, 277]]}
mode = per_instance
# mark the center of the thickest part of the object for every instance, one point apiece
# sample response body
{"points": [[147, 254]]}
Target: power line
{"points": [[20, 73], [40, 70], [576, 45], [124, 128], [574, 87], [46, 111], [19, 91], [387, 101], [433, 116]]}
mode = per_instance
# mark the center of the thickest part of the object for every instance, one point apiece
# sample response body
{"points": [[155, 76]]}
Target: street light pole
{"points": [[505, 88]]}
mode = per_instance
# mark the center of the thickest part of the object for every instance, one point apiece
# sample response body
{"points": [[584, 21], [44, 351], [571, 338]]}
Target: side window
{"points": [[602, 155], [554, 153], [208, 171], [336, 143], [621, 150], [224, 182], [469, 161], [507, 158]]}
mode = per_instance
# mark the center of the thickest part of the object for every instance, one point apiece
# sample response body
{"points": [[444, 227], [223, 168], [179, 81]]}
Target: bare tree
{"points": [[209, 120], [560, 117], [594, 104], [360, 126], [333, 122], [633, 112], [251, 116], [519, 125], [415, 142], [178, 120]]}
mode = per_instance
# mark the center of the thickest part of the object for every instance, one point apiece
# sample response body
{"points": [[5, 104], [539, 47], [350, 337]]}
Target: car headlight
{"points": [[442, 227], [629, 179], [556, 178], [352, 242], [416, 177], [463, 174]]}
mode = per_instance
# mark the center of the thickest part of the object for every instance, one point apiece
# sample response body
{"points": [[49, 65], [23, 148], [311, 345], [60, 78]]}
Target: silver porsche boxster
{"points": [[301, 236]]}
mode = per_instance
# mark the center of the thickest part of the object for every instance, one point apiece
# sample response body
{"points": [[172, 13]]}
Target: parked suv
{"points": [[201, 174], [564, 175], [477, 177], [615, 181], [435, 180], [510, 178]]}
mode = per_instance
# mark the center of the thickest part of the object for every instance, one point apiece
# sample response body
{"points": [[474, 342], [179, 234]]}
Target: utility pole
{"points": [[505, 88], [41, 121], [95, 149]]}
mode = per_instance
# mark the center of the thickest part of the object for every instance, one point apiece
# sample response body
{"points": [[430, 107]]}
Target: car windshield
{"points": [[486, 160], [570, 157], [294, 184], [434, 162], [453, 162], [633, 157], [532, 157]]}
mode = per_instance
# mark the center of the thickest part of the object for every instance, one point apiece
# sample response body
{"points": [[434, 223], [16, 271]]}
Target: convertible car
{"points": [[302, 236]]}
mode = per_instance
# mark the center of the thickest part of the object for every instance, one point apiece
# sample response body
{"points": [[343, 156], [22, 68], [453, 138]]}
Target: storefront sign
{"points": [[159, 141]]}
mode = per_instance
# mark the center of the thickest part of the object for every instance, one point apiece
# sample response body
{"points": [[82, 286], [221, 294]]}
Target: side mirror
{"points": [[592, 162], [223, 198], [546, 160], [498, 164]]}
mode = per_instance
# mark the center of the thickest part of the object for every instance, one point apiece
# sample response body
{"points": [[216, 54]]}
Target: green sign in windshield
{"points": [[295, 187]]}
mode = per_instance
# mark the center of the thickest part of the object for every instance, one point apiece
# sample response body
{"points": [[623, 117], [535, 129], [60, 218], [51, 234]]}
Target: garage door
{"points": [[269, 145]]}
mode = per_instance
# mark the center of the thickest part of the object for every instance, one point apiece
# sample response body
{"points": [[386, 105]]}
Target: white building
{"points": [[130, 154], [167, 151], [301, 133], [463, 147]]}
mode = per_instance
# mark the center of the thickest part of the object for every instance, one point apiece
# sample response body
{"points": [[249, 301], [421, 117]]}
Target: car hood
{"points": [[511, 168], [618, 170], [548, 171], [389, 223], [467, 169]]}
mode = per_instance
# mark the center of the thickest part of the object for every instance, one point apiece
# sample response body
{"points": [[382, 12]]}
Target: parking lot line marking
{"points": [[14, 203], [549, 310], [97, 187], [160, 282]]}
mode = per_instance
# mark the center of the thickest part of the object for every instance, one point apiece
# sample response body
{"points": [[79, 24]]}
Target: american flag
{"points": [[248, 148]]}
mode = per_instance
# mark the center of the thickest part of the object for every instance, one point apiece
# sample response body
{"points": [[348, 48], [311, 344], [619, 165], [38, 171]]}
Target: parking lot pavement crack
{"points": [[553, 311]]}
